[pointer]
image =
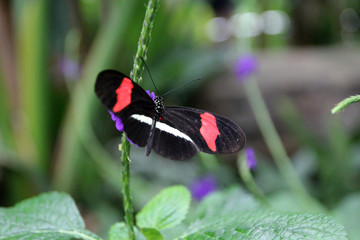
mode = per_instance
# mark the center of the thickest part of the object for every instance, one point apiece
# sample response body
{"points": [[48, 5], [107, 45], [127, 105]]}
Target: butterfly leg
{"points": [[149, 142]]}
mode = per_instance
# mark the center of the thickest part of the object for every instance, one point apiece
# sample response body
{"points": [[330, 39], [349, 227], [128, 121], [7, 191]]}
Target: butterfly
{"points": [[174, 132]]}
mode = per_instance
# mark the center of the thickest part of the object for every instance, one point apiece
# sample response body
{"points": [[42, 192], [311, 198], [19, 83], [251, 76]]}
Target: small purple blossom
{"points": [[118, 123], [69, 68], [250, 157], [203, 186], [151, 94], [245, 65]]}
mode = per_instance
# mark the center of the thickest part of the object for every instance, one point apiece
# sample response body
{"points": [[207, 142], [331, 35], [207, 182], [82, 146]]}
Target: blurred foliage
{"points": [[55, 135], [221, 215]]}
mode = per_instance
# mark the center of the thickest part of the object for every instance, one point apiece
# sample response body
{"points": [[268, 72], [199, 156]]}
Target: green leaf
{"points": [[348, 213], [230, 200], [48, 216], [120, 231], [262, 224], [285, 201], [165, 210], [234, 214], [152, 234]]}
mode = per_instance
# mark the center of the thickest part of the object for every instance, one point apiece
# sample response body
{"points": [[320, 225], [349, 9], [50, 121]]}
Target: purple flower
{"points": [[245, 65], [69, 68], [151, 94], [250, 157], [202, 187], [118, 122]]}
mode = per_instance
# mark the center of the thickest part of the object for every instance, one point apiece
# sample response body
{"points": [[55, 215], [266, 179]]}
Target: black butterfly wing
{"points": [[179, 133], [172, 142], [199, 130], [125, 98]]}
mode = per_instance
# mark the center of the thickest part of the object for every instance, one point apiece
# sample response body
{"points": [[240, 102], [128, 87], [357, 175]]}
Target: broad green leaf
{"points": [[119, 231], [285, 201], [219, 203], [48, 216], [235, 214], [348, 213], [152, 234], [165, 210], [262, 224]]}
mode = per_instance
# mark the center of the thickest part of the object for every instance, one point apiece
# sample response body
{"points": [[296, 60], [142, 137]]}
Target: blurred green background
{"points": [[55, 135]]}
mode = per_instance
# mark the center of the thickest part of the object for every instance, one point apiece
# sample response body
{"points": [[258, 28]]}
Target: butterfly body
{"points": [[173, 132]]}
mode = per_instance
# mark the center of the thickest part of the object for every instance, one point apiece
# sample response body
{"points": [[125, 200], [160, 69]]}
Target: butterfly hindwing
{"points": [[172, 142], [137, 131]]}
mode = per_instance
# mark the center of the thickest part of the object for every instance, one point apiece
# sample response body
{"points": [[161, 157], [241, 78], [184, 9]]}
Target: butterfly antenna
{"points": [[182, 85], [147, 68]]}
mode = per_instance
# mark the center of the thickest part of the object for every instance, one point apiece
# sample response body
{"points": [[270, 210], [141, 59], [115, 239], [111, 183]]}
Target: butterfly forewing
{"points": [[125, 98], [182, 132], [121, 95]]}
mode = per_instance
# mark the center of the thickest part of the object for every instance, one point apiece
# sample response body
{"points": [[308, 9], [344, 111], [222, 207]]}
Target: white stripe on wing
{"points": [[161, 126]]}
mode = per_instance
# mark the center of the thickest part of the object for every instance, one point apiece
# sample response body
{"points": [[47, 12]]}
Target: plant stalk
{"points": [[248, 179], [345, 103], [275, 145], [136, 76], [125, 170]]}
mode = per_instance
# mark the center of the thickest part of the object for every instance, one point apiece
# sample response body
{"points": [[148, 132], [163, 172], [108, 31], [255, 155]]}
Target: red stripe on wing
{"points": [[209, 130], [123, 95]]}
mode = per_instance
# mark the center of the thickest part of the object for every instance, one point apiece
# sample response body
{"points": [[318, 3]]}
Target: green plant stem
{"points": [[125, 170], [248, 179], [136, 76], [7, 139], [144, 41], [275, 145], [345, 103], [34, 88]]}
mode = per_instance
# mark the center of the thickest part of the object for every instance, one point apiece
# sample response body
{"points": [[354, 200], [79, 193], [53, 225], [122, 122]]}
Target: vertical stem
{"points": [[34, 89], [248, 179], [275, 145], [125, 170], [144, 41], [136, 73], [8, 95]]}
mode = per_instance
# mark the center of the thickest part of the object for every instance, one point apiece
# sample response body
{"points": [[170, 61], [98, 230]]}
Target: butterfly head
{"points": [[159, 105]]}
